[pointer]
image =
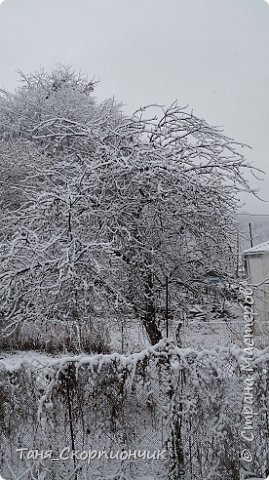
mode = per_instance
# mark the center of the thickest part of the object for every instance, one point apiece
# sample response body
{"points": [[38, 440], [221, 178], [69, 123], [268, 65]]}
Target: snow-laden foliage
{"points": [[186, 402], [102, 209]]}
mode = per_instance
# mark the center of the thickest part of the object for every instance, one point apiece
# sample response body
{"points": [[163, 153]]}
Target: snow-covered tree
{"points": [[108, 207]]}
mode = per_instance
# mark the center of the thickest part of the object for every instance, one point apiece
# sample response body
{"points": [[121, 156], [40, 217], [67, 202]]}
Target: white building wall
{"points": [[258, 267], [258, 272]]}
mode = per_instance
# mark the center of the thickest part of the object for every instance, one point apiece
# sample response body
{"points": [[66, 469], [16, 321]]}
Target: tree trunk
{"points": [[149, 318]]}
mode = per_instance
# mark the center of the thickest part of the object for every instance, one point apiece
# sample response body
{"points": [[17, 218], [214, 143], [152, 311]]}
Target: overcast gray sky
{"points": [[209, 54]]}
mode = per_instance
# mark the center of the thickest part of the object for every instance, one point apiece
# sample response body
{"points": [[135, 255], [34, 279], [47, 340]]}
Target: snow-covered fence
{"points": [[185, 402]]}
